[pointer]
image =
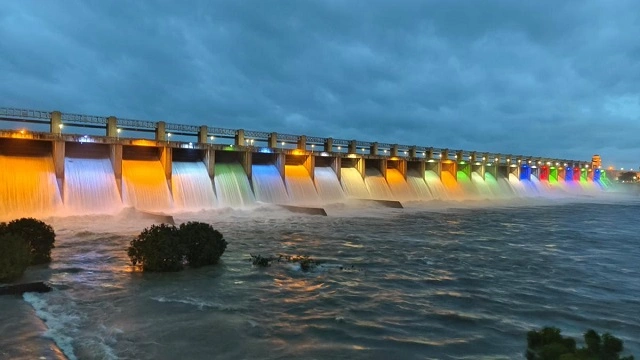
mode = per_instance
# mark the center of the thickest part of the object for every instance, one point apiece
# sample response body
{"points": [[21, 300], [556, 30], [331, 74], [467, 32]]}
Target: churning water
{"points": [[446, 283]]}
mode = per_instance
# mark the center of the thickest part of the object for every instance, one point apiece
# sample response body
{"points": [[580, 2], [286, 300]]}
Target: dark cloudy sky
{"points": [[547, 78]]}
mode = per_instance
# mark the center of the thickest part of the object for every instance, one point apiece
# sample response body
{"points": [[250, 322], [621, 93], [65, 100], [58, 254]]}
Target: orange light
{"points": [[143, 142]]}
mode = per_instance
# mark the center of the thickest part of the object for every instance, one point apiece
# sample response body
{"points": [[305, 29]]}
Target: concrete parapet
{"points": [[239, 137], [413, 153], [202, 134], [328, 145], [302, 142], [353, 148], [373, 149], [112, 126], [56, 122], [272, 140], [394, 150], [161, 134]]}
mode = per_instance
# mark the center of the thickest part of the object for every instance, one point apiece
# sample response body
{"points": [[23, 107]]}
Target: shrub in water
{"points": [[203, 244], [167, 248], [548, 344], [157, 248], [15, 255], [38, 234]]}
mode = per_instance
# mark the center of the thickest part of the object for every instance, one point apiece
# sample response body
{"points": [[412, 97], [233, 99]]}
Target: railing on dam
{"points": [[58, 120]]}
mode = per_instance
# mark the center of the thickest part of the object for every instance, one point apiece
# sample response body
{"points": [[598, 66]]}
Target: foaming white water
{"points": [[28, 187], [519, 186], [434, 183], [268, 185], [590, 187], [544, 187], [300, 186], [530, 187], [353, 184], [232, 185], [453, 188], [144, 185], [468, 187], [192, 187], [59, 328], [483, 187], [399, 187], [90, 187], [328, 186], [418, 185], [377, 185], [506, 188]]}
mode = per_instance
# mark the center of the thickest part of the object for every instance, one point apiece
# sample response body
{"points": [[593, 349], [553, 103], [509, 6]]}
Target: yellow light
{"points": [[61, 126], [118, 131]]}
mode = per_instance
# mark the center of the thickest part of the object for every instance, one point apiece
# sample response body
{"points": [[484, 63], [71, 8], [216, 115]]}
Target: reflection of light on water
{"points": [[297, 285], [432, 342]]}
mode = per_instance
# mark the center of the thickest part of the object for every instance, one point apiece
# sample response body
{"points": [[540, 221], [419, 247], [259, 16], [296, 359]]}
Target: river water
{"points": [[437, 281]]}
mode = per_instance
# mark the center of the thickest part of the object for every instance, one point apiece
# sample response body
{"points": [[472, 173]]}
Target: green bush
{"points": [[15, 255], [203, 244], [157, 248], [167, 248], [549, 344], [38, 234]]}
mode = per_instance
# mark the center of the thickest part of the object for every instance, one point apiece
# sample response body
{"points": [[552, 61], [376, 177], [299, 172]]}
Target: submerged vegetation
{"points": [[306, 263], [169, 248], [24, 242], [549, 344]]}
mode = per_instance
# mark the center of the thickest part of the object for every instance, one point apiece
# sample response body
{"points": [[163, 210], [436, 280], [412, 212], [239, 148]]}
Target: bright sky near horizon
{"points": [[555, 78]]}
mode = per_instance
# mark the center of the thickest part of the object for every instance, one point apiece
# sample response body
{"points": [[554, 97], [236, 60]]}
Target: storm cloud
{"points": [[546, 78]]}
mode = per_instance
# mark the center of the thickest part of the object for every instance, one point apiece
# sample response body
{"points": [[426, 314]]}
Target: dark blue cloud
{"points": [[546, 78]]}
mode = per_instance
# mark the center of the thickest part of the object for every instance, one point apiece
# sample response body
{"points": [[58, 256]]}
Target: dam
{"points": [[82, 164]]}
